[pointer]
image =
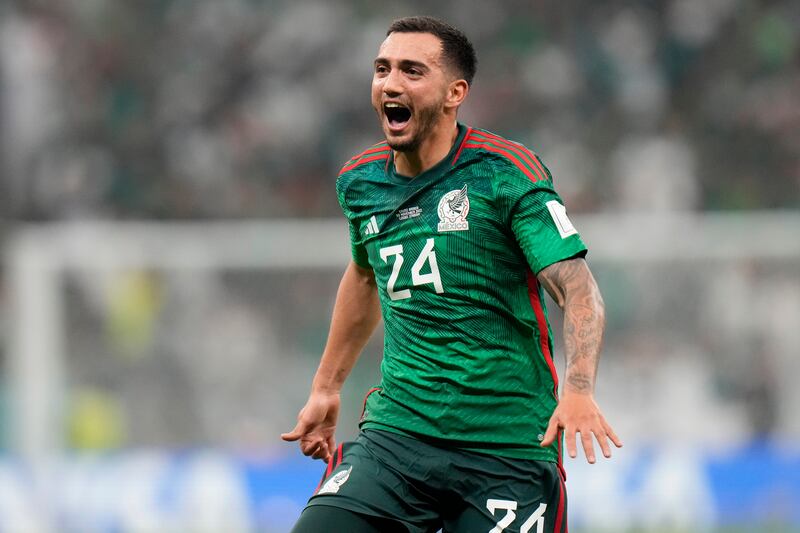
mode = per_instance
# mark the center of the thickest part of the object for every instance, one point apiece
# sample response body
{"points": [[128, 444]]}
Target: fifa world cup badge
{"points": [[453, 210]]}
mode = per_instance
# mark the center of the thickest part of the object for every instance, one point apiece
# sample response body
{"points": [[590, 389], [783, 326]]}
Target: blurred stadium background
{"points": [[172, 244]]}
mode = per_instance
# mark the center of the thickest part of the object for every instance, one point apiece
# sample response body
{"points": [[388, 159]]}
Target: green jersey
{"points": [[455, 251]]}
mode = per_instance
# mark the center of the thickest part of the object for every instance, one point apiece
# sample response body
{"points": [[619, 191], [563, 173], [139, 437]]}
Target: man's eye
{"points": [[381, 69]]}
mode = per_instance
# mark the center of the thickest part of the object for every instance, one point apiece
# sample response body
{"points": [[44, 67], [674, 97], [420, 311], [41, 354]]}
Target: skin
{"points": [[409, 70], [571, 285], [356, 314]]}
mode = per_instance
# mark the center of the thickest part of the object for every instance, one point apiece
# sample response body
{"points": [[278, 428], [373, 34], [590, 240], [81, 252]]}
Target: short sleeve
{"points": [[358, 250], [542, 228]]}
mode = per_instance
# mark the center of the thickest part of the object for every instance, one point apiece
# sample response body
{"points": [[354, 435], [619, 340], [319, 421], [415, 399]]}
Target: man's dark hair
{"points": [[457, 51]]}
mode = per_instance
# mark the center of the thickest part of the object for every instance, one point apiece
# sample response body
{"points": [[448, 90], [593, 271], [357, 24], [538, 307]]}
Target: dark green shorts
{"points": [[428, 487]]}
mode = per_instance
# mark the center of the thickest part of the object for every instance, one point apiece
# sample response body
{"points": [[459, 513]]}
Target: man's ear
{"points": [[457, 93]]}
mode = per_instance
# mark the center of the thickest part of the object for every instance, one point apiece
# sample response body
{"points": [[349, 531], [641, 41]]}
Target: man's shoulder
{"points": [[374, 156], [509, 158]]}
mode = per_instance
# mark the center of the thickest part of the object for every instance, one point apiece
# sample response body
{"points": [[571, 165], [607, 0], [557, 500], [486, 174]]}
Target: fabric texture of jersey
{"points": [[455, 251]]}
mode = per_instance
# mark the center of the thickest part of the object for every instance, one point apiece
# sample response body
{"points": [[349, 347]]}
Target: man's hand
{"points": [[574, 289], [316, 425], [578, 413], [356, 314]]}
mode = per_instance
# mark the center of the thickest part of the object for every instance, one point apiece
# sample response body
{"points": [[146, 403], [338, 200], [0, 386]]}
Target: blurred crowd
{"points": [[211, 109], [176, 109]]}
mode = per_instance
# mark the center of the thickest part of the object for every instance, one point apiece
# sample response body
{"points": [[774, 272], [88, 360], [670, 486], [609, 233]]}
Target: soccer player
{"points": [[455, 232]]}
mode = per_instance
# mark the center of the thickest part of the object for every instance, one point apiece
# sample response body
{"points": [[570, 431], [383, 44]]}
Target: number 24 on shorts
{"points": [[509, 506]]}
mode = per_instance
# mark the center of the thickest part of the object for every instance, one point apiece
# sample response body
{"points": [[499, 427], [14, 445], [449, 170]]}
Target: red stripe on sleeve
{"points": [[544, 343], [528, 155], [364, 161], [375, 150], [520, 150], [511, 157], [541, 322]]}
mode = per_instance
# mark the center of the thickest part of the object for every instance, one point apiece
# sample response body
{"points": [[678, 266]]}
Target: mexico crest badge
{"points": [[453, 210]]}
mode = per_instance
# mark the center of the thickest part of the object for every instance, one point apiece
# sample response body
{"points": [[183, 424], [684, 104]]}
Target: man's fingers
{"points": [[569, 437], [331, 443], [613, 436], [308, 448], [317, 449], [322, 452], [591, 425], [602, 440], [551, 433], [588, 446], [294, 434]]}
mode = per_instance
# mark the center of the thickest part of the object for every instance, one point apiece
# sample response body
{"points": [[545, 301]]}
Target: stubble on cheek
{"points": [[423, 124]]}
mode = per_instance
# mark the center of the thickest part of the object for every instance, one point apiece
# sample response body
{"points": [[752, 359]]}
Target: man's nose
{"points": [[392, 84]]}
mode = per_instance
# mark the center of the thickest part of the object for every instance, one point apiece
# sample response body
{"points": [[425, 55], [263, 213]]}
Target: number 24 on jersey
{"points": [[427, 255]]}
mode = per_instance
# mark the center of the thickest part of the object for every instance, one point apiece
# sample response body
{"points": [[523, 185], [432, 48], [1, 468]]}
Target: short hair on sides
{"points": [[457, 50]]}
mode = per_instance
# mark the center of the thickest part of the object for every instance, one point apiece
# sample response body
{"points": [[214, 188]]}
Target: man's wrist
{"points": [[577, 386], [326, 389]]}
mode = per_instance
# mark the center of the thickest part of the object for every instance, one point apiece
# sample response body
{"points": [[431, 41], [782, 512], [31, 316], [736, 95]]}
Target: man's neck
{"points": [[430, 152]]}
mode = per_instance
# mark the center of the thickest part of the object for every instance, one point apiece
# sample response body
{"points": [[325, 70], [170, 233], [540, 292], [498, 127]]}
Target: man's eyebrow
{"points": [[403, 63]]}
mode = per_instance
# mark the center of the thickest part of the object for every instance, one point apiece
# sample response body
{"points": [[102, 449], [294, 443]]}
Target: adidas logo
{"points": [[372, 226]]}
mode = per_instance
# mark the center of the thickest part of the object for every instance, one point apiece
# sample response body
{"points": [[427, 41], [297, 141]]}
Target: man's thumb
{"points": [[550, 434], [294, 434]]}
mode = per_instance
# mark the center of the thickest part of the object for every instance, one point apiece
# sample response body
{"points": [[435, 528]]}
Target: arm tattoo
{"points": [[572, 286], [580, 382]]}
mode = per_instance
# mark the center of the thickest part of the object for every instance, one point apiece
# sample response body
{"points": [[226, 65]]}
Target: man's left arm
{"points": [[572, 286]]}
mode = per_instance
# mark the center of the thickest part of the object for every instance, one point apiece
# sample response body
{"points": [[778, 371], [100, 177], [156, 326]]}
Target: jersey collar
{"points": [[436, 170]]}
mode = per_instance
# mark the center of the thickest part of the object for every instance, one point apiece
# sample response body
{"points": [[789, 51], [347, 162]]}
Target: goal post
{"points": [[37, 256]]}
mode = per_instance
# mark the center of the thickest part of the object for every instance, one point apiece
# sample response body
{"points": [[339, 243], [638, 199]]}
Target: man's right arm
{"points": [[356, 314]]}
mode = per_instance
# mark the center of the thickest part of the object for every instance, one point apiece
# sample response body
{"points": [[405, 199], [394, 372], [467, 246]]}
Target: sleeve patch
{"points": [[562, 221]]}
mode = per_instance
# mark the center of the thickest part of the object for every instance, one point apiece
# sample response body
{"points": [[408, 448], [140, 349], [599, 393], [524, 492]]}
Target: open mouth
{"points": [[398, 115]]}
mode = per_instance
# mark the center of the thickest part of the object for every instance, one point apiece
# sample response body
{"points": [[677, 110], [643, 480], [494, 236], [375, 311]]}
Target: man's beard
{"points": [[426, 118]]}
